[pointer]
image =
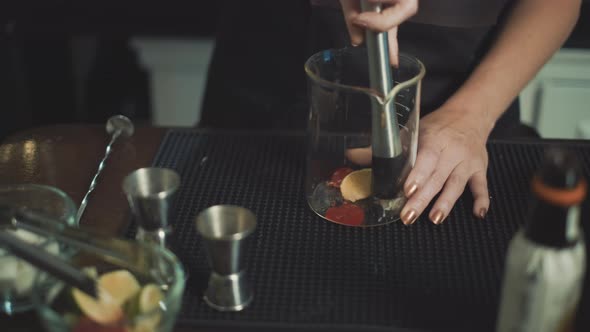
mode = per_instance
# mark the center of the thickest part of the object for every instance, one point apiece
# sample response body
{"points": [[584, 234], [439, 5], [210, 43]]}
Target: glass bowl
{"points": [[144, 296], [16, 275]]}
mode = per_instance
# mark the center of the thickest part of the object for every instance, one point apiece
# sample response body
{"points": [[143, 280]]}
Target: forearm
{"points": [[534, 30]]}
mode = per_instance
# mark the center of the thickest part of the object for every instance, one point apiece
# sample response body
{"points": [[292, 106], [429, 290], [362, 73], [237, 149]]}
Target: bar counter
{"points": [[313, 271]]}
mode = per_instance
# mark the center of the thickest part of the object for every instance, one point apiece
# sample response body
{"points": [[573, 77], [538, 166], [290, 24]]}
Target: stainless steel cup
{"points": [[224, 230], [150, 192]]}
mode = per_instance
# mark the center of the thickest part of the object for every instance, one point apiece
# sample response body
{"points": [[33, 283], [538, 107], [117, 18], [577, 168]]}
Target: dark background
{"points": [[70, 61]]}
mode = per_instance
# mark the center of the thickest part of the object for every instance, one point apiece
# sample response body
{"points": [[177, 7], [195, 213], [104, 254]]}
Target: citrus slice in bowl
{"points": [[121, 285], [150, 297], [103, 311], [149, 300], [114, 288]]}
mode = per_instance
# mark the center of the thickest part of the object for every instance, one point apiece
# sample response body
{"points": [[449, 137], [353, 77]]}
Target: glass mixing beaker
{"points": [[339, 178]]}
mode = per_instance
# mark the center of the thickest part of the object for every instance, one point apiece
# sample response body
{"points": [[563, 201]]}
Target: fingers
{"points": [[436, 172], [387, 20], [425, 163], [481, 197], [453, 188], [393, 47], [425, 181], [427, 185], [389, 17], [351, 9], [360, 156]]}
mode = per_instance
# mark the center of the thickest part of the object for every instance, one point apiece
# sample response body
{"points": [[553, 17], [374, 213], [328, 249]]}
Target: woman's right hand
{"points": [[394, 12]]}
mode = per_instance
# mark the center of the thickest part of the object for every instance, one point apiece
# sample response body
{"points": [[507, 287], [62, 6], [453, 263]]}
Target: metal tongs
{"points": [[388, 159], [108, 249]]}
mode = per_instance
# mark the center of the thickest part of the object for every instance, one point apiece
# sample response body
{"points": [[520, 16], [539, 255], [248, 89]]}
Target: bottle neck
{"points": [[553, 226]]}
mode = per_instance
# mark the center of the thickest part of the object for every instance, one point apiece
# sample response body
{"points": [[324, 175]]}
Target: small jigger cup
{"points": [[150, 192], [224, 229]]}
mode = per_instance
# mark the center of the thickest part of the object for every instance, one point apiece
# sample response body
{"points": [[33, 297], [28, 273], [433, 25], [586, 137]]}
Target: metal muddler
{"points": [[224, 229], [117, 126], [49, 263], [386, 144], [110, 249], [150, 192]]}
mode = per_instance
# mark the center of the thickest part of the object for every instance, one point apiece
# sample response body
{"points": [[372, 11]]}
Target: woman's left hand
{"points": [[451, 154]]}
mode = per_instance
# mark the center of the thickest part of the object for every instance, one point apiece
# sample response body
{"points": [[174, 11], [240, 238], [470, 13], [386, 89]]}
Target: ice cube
{"points": [[28, 236], [8, 272], [16, 274], [26, 275]]}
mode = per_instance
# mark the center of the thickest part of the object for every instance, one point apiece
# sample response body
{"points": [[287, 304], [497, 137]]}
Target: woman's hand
{"points": [[451, 150], [393, 14], [451, 154], [452, 139]]}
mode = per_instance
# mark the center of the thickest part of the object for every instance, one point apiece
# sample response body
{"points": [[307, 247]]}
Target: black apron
{"points": [[256, 78]]}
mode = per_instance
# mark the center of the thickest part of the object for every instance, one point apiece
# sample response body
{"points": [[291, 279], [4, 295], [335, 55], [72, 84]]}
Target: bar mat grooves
{"points": [[307, 272]]}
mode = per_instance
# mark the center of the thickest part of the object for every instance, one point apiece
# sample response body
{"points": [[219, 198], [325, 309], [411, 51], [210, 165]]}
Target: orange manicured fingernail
{"points": [[438, 217], [412, 189], [482, 213], [409, 217]]}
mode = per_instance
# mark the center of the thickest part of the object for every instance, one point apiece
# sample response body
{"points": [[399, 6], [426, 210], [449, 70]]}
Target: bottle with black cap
{"points": [[545, 262]]}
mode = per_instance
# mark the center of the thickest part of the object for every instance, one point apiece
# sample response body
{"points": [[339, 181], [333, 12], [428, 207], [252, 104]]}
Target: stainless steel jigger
{"points": [[224, 229], [150, 192]]}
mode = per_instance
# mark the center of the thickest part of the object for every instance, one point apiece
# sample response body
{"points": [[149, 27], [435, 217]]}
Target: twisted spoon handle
{"points": [[117, 125], [94, 181]]}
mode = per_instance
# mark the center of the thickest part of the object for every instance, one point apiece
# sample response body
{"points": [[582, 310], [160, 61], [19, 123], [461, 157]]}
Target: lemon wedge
{"points": [[357, 185], [104, 311], [114, 288], [150, 298], [121, 285]]}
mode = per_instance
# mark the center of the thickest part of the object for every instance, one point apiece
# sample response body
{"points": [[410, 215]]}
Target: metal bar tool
{"points": [[110, 249], [49, 263], [150, 192], [117, 126], [224, 230], [387, 158]]}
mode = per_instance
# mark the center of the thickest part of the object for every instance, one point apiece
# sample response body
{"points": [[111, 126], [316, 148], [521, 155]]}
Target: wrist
{"points": [[480, 115]]}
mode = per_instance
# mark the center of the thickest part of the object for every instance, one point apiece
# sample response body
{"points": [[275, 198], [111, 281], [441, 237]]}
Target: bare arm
{"points": [[452, 142], [452, 145], [534, 31]]}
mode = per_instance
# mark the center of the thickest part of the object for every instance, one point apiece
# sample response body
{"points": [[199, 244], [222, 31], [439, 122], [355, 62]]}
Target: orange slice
{"points": [[115, 288], [357, 185], [150, 297], [103, 311], [121, 285]]}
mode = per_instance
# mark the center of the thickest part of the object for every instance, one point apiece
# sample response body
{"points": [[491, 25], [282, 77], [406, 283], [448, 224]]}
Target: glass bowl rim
{"points": [[173, 294], [68, 203]]}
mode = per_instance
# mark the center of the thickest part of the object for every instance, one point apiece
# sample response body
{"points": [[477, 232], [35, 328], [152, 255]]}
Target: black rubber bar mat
{"points": [[309, 273]]}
